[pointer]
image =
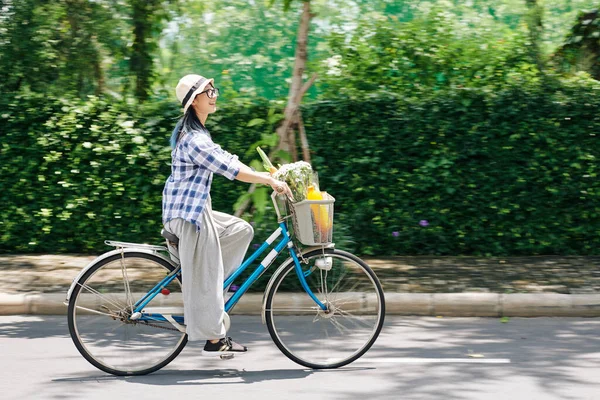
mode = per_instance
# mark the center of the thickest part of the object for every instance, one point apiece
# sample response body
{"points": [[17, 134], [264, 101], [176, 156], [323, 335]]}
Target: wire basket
{"points": [[313, 220]]}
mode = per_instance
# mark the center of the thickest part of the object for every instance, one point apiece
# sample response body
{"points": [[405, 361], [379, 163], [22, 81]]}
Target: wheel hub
{"points": [[329, 312]]}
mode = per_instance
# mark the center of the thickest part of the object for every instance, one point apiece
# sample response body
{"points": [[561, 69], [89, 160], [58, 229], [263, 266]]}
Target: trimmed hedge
{"points": [[466, 172], [75, 174]]}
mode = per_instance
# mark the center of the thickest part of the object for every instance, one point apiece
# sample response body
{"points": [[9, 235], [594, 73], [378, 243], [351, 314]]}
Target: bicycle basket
{"points": [[313, 220]]}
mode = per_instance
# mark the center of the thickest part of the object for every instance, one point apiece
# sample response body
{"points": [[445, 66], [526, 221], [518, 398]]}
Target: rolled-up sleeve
{"points": [[205, 153]]}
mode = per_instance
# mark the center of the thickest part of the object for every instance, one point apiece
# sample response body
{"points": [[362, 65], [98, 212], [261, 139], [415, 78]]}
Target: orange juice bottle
{"points": [[321, 216]]}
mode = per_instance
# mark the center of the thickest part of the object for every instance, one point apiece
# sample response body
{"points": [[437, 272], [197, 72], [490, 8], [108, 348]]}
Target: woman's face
{"points": [[203, 104]]}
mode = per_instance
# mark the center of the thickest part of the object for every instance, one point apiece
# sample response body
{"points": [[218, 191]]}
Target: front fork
{"points": [[302, 277]]}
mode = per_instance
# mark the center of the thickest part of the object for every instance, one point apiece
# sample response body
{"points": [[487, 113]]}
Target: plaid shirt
{"points": [[194, 160]]}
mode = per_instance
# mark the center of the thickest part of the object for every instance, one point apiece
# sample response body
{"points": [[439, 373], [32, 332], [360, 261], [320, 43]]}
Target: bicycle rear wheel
{"points": [[99, 314], [325, 339]]}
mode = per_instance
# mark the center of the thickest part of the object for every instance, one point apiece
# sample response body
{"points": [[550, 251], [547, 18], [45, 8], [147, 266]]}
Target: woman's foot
{"points": [[223, 346]]}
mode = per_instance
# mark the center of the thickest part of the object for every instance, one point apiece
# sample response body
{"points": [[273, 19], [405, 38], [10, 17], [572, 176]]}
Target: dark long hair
{"points": [[188, 123]]}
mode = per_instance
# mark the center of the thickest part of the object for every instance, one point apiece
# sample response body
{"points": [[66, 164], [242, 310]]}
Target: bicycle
{"points": [[323, 307]]}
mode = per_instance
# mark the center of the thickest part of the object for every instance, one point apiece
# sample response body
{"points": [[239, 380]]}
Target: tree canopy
{"points": [[139, 49]]}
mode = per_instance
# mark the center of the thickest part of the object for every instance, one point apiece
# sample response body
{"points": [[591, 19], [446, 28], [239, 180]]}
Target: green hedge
{"points": [[75, 174], [470, 172], [507, 173]]}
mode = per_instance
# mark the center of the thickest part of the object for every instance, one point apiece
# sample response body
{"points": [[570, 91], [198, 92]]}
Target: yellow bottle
{"points": [[320, 213]]}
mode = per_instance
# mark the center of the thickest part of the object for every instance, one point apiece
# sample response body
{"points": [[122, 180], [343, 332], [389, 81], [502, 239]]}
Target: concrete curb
{"points": [[494, 304], [424, 304]]}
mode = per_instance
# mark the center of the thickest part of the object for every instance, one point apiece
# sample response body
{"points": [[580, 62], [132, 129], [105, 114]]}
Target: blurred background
{"points": [[441, 127]]}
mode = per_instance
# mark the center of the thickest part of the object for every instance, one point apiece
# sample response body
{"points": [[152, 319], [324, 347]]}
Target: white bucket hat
{"points": [[188, 87]]}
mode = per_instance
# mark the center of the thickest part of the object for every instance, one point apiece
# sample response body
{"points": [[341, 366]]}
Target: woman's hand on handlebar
{"points": [[280, 187]]}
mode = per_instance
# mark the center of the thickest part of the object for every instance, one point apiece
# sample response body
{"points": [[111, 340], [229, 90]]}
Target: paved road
{"points": [[415, 358]]}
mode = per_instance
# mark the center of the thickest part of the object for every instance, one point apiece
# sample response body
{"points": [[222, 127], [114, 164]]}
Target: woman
{"points": [[211, 244]]}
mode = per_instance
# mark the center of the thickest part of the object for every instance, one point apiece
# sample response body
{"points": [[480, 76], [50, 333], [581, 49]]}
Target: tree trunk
{"points": [[297, 90], [535, 32], [293, 147], [299, 65], [98, 71], [303, 139], [291, 111], [141, 58]]}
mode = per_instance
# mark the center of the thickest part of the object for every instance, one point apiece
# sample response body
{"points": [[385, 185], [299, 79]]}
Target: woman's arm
{"points": [[246, 174]]}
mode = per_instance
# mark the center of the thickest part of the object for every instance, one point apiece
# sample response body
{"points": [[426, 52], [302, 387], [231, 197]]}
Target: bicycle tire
{"points": [[108, 299], [303, 308]]}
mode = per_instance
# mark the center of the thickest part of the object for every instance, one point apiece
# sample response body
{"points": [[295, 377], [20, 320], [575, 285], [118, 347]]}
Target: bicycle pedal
{"points": [[226, 356]]}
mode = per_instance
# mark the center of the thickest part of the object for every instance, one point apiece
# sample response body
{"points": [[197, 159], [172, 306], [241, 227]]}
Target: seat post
{"points": [[171, 238]]}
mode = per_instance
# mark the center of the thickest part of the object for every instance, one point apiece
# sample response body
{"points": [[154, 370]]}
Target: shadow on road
{"points": [[551, 352], [557, 355], [34, 327], [198, 377], [210, 377]]}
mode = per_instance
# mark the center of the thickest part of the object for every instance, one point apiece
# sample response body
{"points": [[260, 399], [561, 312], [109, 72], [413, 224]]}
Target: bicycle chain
{"points": [[161, 327], [151, 325], [120, 318]]}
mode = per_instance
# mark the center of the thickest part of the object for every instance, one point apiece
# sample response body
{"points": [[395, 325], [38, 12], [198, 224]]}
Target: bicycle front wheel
{"points": [[100, 311], [352, 322]]}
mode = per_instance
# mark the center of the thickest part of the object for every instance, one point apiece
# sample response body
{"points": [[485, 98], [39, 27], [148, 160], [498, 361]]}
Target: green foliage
{"points": [[505, 173], [435, 112], [286, 4], [76, 173], [434, 52], [59, 46], [81, 47], [259, 200], [125, 48], [581, 50], [249, 48], [511, 172]]}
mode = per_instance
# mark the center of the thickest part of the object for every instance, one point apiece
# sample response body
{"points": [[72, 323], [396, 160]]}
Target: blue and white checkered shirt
{"points": [[194, 160]]}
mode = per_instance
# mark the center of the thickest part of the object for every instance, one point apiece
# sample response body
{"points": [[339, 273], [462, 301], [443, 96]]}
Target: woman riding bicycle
{"points": [[211, 243]]}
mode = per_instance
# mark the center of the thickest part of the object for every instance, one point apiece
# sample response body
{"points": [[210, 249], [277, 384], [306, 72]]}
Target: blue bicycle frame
{"points": [[285, 241]]}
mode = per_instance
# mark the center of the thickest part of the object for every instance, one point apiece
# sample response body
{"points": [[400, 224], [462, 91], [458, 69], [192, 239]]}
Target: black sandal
{"points": [[223, 346]]}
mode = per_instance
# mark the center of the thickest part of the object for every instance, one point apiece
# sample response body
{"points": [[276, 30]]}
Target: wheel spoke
{"points": [[99, 312], [289, 309], [329, 338], [333, 289], [343, 330], [354, 319], [115, 303], [95, 311]]}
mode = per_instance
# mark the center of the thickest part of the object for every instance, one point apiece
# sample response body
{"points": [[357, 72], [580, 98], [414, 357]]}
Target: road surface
{"points": [[414, 358]]}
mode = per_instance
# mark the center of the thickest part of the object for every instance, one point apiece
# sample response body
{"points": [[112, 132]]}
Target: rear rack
{"points": [[127, 245]]}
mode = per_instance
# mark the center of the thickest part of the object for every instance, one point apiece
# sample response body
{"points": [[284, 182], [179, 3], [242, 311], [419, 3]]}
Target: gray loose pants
{"points": [[207, 257]]}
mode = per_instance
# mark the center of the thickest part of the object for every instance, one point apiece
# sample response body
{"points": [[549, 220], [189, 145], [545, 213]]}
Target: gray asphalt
{"points": [[415, 358]]}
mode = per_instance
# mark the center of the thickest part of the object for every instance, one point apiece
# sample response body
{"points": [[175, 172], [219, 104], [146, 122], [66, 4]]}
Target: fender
{"points": [[106, 255], [280, 270]]}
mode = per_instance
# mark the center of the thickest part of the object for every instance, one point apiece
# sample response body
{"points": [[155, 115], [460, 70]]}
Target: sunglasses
{"points": [[211, 93]]}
